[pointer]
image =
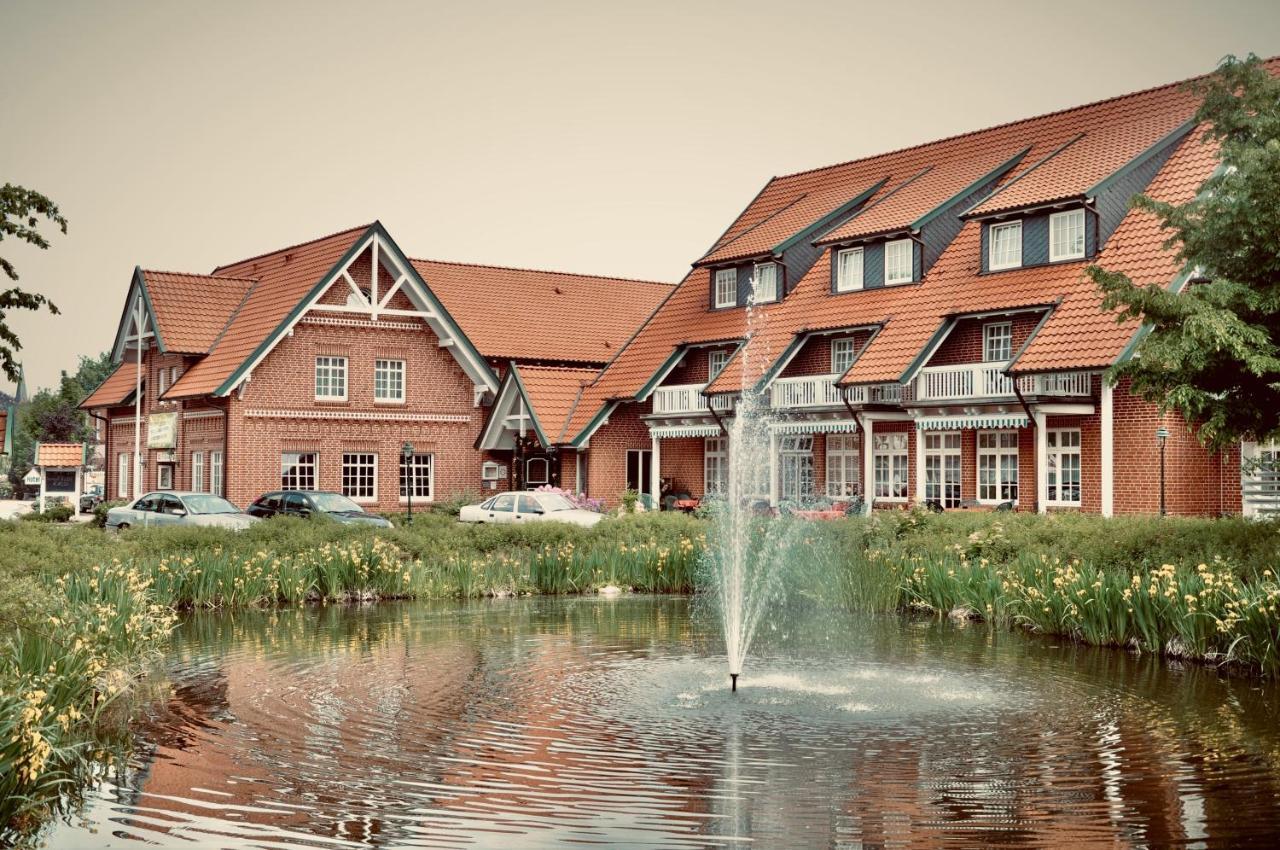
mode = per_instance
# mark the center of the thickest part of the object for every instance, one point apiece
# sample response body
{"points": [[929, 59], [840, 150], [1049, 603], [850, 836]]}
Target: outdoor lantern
{"points": [[1162, 434], [406, 452]]}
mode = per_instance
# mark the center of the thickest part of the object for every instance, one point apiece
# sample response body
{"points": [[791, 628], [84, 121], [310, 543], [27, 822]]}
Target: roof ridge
{"points": [[538, 271], [1007, 124], [203, 275], [529, 366], [295, 246]]}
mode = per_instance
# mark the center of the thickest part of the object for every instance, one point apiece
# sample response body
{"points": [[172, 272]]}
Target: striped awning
{"points": [[664, 431], [955, 423], [816, 426]]}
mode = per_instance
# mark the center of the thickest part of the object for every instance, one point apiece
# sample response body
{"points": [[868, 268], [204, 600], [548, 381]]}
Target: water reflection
{"points": [[541, 723]]}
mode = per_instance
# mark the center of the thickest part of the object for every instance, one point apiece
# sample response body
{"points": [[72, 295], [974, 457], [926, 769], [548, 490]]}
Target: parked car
{"points": [[90, 499], [314, 503], [528, 506], [170, 508]]}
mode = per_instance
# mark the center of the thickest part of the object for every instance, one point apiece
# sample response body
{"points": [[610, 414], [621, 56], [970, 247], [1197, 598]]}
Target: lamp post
{"points": [[406, 453], [1162, 435]]}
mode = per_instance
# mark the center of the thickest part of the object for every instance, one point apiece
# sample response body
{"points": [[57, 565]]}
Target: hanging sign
{"points": [[162, 431]]}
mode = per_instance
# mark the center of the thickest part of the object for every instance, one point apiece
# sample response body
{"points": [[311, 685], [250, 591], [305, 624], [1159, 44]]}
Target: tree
{"points": [[20, 212], [1212, 349], [52, 416]]}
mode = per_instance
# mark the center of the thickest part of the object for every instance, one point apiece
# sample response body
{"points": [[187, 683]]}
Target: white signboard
{"points": [[162, 431], [32, 478]]}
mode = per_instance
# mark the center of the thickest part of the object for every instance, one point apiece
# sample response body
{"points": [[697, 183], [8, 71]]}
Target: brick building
{"points": [[302, 368], [921, 326]]}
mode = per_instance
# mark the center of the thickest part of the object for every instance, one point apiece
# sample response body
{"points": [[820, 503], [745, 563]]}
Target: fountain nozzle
{"points": [[733, 682]]}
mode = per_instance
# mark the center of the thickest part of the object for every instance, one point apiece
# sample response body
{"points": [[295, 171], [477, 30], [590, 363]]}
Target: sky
{"points": [[595, 137]]}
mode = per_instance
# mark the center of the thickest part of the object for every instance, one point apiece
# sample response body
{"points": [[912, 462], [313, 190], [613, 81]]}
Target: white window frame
{"points": [[894, 472], [123, 460], [997, 491], [333, 368], [795, 465], [1056, 453], [162, 381], [843, 353], [546, 469], [360, 469], [847, 280], [296, 469], [760, 295], [715, 465], [939, 447], [891, 263], [1069, 219], [197, 472], [175, 372], [384, 371], [844, 465], [716, 361], [417, 463], [993, 333], [1010, 262], [726, 288], [164, 476], [215, 472]]}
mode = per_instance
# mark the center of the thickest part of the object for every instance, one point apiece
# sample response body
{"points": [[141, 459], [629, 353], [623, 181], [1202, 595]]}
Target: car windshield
{"points": [[209, 505], [552, 502], [333, 503]]}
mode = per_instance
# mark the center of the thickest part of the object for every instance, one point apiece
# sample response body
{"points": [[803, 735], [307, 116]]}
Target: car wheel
{"points": [[121, 527]]}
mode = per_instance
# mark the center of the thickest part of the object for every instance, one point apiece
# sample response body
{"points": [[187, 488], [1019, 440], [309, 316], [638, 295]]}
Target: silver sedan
{"points": [[529, 506], [170, 508]]}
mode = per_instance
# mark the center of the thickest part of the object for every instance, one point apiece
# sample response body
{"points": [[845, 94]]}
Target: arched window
{"points": [[537, 471]]}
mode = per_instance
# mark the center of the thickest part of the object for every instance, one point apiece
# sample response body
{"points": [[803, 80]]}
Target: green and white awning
{"points": [[665, 431], [815, 426], [980, 421]]}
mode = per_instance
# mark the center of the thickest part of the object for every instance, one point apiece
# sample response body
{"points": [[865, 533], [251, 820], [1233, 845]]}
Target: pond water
{"points": [[553, 722]]}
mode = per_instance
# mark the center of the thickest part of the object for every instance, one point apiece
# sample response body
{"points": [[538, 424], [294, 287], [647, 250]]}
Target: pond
{"points": [[548, 722]]}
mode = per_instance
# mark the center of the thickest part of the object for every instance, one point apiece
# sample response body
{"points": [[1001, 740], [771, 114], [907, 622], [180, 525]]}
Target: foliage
{"points": [[20, 213], [453, 505], [100, 511], [54, 511], [629, 500], [578, 500], [54, 416], [1213, 351]]}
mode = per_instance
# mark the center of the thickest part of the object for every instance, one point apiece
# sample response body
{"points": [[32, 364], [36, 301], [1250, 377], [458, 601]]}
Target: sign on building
{"points": [[162, 431]]}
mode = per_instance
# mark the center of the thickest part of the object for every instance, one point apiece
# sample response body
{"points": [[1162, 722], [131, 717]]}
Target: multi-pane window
{"points": [[716, 361], [942, 468], [766, 282], [997, 466], [997, 342], [716, 465], [297, 470], [122, 474], [331, 378], [795, 457], [175, 372], [215, 473], [726, 288], [360, 476], [197, 472], [1005, 246], [1066, 235], [848, 269], [416, 476], [889, 458], [841, 355], [898, 262], [162, 382], [1064, 466], [843, 469], [164, 476], [388, 380]]}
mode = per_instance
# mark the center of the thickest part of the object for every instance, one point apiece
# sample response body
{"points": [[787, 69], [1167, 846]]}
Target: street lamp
{"points": [[406, 453], [1162, 434]]}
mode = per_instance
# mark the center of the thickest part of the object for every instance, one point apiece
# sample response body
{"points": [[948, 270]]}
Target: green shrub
{"points": [[100, 511], [58, 511]]}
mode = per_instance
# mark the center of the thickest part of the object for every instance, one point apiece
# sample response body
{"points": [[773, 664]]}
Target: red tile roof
{"points": [[552, 393], [192, 309], [524, 314], [1114, 132], [59, 454], [118, 386]]}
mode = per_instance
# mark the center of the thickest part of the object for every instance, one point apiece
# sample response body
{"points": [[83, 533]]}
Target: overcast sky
{"points": [[588, 137]]}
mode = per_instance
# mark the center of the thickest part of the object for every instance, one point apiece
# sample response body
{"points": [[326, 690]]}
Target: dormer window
{"points": [[842, 352], [898, 262], [726, 288], [997, 342], [716, 361], [1005, 246], [1066, 235], [766, 282], [848, 270]]}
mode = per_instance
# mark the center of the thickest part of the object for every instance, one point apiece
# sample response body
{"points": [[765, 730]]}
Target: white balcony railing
{"points": [[987, 380], [808, 391], [687, 398]]}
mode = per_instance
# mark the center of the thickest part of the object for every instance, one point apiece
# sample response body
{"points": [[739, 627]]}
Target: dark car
{"points": [[90, 499], [313, 503]]}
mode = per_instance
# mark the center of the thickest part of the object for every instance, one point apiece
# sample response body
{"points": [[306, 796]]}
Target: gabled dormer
{"points": [[1062, 234], [759, 282], [876, 263]]}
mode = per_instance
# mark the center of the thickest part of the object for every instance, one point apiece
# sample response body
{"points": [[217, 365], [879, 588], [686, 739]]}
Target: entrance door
{"points": [[796, 464], [640, 470]]}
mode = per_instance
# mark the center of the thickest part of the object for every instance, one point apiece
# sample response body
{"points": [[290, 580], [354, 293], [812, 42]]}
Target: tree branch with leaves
{"points": [[21, 211]]}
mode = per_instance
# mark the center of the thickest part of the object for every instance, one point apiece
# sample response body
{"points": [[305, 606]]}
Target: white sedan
{"points": [[528, 506]]}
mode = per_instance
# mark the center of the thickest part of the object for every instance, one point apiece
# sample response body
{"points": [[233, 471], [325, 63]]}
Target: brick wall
{"points": [[682, 461], [814, 358], [607, 454], [964, 343]]}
